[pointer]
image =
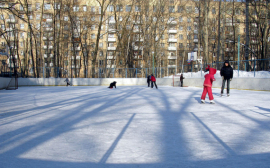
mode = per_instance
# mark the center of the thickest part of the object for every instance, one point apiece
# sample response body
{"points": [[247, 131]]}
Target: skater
{"points": [[226, 73], [153, 81], [148, 80], [67, 81], [113, 84], [209, 78], [182, 79]]}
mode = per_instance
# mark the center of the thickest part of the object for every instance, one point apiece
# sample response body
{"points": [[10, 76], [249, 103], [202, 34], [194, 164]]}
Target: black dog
{"points": [[113, 84]]}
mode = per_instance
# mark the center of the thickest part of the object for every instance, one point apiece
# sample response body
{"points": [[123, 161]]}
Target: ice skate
{"points": [[203, 101], [221, 94], [212, 102], [228, 94]]}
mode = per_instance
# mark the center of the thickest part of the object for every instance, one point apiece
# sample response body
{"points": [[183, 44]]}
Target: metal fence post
{"points": [[43, 71], [126, 72], [254, 67]]}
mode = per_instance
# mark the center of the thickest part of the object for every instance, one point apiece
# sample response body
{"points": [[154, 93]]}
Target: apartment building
{"points": [[88, 39]]}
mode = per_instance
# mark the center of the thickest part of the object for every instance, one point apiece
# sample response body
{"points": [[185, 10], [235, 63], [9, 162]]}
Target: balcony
{"points": [[141, 40], [136, 30], [172, 31], [196, 31], [172, 22], [77, 48], [111, 39], [111, 21], [51, 55], [45, 47], [49, 20], [78, 57], [10, 20], [171, 57], [50, 47], [195, 40], [110, 66], [172, 48], [137, 48], [109, 57], [48, 29], [51, 64], [45, 56], [171, 66], [112, 48], [112, 30], [172, 40], [44, 38], [138, 57]]}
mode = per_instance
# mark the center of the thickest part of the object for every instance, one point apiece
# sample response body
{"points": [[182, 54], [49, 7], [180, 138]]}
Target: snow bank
{"points": [[242, 74]]}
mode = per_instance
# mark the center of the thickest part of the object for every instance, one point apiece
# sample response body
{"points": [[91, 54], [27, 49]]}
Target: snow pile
{"points": [[243, 74]]}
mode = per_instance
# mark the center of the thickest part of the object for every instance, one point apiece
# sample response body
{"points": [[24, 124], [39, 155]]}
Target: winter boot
{"points": [[221, 94], [203, 101], [212, 102], [228, 94]]}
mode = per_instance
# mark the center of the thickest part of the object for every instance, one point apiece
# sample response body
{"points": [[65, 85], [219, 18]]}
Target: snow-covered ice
{"points": [[242, 74], [134, 126]]}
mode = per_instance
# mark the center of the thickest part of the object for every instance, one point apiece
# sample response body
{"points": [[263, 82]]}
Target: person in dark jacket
{"points": [[226, 73], [182, 79], [148, 80], [67, 80], [113, 84], [153, 81]]}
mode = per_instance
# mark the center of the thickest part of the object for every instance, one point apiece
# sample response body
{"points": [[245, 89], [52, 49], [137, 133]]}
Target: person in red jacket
{"points": [[209, 78], [153, 81]]}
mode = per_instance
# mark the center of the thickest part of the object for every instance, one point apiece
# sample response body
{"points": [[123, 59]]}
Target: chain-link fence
{"points": [[251, 66]]}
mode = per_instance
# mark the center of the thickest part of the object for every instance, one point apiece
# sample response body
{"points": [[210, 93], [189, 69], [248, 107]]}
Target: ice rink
{"points": [[133, 126]]}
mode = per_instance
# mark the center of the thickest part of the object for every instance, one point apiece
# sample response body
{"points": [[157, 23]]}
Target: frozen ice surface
{"points": [[135, 126]]}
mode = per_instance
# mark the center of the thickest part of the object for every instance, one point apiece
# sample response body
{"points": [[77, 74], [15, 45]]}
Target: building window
{"points": [[93, 9], [189, 28], [84, 8], [65, 18], [197, 10], [137, 8], [171, 9], [128, 8], [180, 28], [180, 9], [93, 36], [100, 45], [180, 19], [30, 17], [76, 8], [188, 20], [119, 8], [189, 9], [21, 8], [47, 6], [21, 26], [213, 11], [38, 17], [110, 8], [181, 36], [93, 18], [93, 27], [37, 6]]}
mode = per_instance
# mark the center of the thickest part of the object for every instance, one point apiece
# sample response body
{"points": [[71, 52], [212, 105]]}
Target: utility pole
{"points": [[247, 34]]}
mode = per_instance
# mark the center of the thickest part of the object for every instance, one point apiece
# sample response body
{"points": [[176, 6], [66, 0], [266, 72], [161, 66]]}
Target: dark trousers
{"points": [[223, 85], [181, 83], [68, 84], [148, 83], [152, 84]]}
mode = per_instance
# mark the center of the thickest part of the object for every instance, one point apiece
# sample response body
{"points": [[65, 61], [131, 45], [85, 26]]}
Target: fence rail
{"points": [[160, 72]]}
